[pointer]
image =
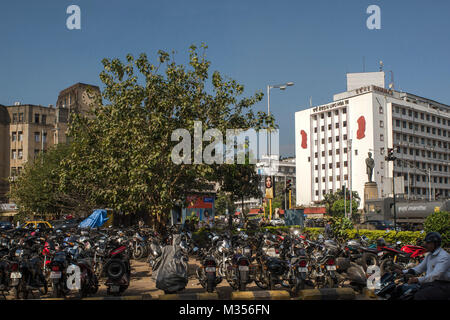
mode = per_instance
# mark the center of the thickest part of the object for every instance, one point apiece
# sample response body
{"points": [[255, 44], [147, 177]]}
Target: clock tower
{"points": [[79, 98]]}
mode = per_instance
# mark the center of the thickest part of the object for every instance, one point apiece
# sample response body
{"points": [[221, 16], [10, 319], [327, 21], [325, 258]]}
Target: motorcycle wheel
{"points": [[201, 277], [260, 280], [138, 253], [94, 287], [44, 289], [25, 294], [329, 282], [271, 285], [115, 269], [210, 284], [368, 259], [299, 285], [16, 293], [83, 292], [56, 290], [387, 265]]}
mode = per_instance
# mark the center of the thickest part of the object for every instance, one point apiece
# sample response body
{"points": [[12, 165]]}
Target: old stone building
{"points": [[26, 129]]}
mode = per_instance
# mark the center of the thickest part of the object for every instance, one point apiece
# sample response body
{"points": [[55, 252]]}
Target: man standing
{"points": [[328, 230]]}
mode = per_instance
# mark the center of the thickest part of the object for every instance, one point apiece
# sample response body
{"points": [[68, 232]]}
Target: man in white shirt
{"points": [[435, 284]]}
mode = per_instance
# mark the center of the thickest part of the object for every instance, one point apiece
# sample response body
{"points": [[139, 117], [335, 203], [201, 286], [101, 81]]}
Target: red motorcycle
{"points": [[415, 252], [406, 257]]}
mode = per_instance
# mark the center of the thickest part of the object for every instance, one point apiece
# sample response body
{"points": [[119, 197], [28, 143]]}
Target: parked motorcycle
{"points": [[117, 269], [394, 287]]}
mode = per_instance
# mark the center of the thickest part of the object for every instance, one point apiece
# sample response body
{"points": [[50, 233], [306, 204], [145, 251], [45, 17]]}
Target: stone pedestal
{"points": [[370, 191]]}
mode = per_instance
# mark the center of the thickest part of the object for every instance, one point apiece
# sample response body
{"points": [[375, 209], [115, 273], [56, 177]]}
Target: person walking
{"points": [[328, 230]]}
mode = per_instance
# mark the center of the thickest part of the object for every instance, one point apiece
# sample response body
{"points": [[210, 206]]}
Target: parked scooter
{"points": [[350, 274], [207, 273], [117, 269], [394, 287]]}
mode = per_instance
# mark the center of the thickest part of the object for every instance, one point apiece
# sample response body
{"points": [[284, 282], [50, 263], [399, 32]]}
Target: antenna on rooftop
{"points": [[391, 84]]}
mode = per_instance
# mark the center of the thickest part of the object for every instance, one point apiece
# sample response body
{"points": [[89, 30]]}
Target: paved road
{"points": [[141, 283]]}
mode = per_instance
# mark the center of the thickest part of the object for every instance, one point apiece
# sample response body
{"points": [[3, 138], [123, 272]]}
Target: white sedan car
{"points": [[277, 222]]}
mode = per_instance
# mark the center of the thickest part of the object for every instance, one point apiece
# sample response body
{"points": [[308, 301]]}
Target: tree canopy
{"points": [[120, 154]]}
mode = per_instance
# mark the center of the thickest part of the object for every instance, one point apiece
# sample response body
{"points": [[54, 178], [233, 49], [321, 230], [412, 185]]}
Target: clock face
{"points": [[87, 98]]}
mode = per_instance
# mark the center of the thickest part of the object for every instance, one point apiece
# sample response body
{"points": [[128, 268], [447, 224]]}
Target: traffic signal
{"points": [[390, 155]]}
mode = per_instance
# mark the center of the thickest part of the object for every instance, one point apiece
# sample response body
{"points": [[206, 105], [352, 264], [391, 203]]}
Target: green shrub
{"points": [[313, 233], [282, 228], [406, 237], [439, 222], [339, 225]]}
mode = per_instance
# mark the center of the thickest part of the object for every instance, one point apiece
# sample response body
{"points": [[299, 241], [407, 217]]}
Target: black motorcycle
{"points": [[26, 274], [394, 287], [117, 269], [58, 274], [350, 274], [207, 273]]}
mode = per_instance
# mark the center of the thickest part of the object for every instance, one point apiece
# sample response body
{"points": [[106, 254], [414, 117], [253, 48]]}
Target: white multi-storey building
{"points": [[333, 140]]}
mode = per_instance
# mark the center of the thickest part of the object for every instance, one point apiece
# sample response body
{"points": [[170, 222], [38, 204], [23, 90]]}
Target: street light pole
{"points": [[429, 183], [269, 142], [391, 158], [350, 176]]}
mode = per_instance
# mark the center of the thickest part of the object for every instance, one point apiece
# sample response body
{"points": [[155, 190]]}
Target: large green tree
{"points": [[223, 202], [38, 190], [121, 155], [335, 202]]}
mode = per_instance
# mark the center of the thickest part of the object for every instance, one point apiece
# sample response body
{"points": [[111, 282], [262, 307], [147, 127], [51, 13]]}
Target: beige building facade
{"points": [[26, 129]]}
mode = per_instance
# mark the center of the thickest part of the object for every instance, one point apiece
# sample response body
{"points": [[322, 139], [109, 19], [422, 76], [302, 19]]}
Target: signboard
{"points": [[200, 202], [8, 207], [208, 199], [268, 183], [330, 106], [314, 215], [361, 79]]}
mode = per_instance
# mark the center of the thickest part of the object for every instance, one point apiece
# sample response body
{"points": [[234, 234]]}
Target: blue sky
{"points": [[312, 43]]}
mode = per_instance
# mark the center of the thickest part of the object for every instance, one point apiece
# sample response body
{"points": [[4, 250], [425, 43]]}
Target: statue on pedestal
{"points": [[370, 164]]}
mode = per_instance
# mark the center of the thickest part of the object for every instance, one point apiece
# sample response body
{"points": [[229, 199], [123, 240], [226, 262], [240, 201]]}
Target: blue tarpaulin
{"points": [[95, 220]]}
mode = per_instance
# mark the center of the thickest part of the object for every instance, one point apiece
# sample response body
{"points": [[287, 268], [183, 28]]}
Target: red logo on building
{"points": [[304, 139], [361, 128]]}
